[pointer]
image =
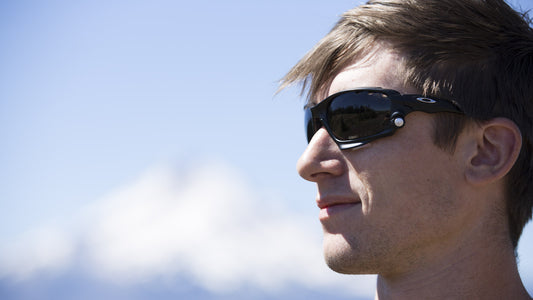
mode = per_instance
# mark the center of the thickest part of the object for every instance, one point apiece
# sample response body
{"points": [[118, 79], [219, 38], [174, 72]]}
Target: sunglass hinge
{"points": [[398, 122]]}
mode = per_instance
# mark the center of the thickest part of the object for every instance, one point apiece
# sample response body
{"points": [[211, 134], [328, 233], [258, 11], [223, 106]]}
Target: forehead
{"points": [[381, 67]]}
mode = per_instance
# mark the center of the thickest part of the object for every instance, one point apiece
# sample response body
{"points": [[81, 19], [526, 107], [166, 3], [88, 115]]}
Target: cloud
{"points": [[46, 249], [525, 257], [204, 222]]}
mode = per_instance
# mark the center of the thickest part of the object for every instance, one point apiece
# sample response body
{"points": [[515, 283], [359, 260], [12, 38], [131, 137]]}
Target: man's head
{"points": [[478, 53]]}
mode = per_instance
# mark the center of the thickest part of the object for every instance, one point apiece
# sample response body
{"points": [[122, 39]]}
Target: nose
{"points": [[321, 159]]}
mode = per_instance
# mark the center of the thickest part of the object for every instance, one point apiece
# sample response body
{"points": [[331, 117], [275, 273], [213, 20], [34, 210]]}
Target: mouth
{"points": [[330, 209]]}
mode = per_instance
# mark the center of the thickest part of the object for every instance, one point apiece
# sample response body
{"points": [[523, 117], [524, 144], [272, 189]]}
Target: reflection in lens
{"points": [[358, 114]]}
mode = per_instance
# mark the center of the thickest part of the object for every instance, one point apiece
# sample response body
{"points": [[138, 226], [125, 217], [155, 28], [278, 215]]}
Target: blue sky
{"points": [[146, 156]]}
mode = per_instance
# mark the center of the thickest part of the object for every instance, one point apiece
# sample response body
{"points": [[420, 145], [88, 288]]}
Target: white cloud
{"points": [[204, 222], [525, 257], [46, 249]]}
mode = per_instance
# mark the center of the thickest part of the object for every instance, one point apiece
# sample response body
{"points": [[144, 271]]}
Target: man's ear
{"points": [[498, 144]]}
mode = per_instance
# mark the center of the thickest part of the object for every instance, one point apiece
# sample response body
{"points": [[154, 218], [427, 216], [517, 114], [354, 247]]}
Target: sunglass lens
{"points": [[309, 128], [355, 115]]}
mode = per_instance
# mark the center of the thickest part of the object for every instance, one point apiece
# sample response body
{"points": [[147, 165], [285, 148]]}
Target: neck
{"points": [[481, 272]]}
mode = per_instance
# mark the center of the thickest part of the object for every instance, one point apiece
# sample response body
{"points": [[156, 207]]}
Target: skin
{"points": [[427, 221]]}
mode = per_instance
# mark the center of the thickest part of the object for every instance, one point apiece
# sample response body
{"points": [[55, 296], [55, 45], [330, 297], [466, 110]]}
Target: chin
{"points": [[347, 258], [340, 257], [346, 264], [340, 267]]}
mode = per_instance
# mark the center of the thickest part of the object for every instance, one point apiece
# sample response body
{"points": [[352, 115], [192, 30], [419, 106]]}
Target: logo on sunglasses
{"points": [[426, 100]]}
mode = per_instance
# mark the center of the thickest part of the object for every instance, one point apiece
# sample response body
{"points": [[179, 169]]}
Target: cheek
{"points": [[417, 186]]}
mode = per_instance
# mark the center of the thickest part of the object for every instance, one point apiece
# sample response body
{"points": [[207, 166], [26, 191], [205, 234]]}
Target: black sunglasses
{"points": [[356, 117]]}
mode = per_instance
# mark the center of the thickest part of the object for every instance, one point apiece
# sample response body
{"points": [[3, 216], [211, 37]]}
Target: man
{"points": [[420, 129]]}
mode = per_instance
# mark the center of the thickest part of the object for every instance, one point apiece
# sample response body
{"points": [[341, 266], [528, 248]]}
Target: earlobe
{"points": [[498, 144]]}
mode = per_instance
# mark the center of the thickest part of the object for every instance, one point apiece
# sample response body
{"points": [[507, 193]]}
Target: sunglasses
{"points": [[356, 117]]}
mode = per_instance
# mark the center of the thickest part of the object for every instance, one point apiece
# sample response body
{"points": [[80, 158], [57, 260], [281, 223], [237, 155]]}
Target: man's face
{"points": [[392, 204]]}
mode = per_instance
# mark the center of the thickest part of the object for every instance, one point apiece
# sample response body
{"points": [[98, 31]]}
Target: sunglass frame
{"points": [[401, 105]]}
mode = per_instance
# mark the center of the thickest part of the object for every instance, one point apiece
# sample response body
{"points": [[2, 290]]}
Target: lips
{"points": [[330, 207]]}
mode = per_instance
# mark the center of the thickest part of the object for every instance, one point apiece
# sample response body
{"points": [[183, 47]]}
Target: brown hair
{"points": [[476, 52]]}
